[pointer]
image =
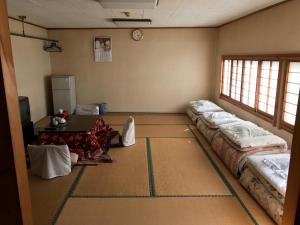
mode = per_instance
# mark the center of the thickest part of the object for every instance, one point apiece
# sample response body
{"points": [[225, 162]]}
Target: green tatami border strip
{"points": [[150, 168], [226, 182], [68, 195], [156, 196]]}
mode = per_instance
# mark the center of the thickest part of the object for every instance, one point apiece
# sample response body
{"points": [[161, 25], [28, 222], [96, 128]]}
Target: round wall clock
{"points": [[137, 34]]}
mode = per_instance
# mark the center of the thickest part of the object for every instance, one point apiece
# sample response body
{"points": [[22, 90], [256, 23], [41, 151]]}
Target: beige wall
{"points": [[276, 30], [32, 66], [161, 73]]}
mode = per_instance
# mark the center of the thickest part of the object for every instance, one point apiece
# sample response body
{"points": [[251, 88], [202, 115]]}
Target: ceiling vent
{"points": [[132, 22], [129, 4]]}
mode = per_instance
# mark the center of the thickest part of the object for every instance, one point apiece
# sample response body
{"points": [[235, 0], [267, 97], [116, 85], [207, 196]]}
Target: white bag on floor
{"points": [[128, 135]]}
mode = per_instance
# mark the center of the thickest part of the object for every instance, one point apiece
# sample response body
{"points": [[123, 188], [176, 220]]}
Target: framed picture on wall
{"points": [[103, 49]]}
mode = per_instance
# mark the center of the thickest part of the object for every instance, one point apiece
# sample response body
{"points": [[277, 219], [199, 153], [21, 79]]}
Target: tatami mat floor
{"points": [[170, 176]]}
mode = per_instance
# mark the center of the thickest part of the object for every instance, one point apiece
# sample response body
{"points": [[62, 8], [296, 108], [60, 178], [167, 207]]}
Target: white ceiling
{"points": [[169, 13]]}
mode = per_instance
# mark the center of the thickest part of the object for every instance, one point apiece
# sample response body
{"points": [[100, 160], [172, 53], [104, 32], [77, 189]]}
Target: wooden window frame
{"points": [[282, 124], [255, 111], [284, 60]]}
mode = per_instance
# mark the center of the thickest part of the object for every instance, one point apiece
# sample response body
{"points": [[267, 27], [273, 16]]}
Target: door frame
{"points": [[15, 196]]}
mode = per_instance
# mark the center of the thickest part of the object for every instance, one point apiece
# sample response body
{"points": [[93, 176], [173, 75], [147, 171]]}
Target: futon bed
{"points": [[235, 141], [193, 116], [265, 177], [196, 108], [208, 123]]}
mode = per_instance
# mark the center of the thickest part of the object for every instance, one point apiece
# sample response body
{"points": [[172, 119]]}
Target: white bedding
{"points": [[273, 168], [214, 119], [246, 134], [201, 106]]}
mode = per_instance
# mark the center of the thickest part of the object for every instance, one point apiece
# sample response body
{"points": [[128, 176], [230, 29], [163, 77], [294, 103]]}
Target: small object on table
{"points": [[54, 122], [63, 114], [57, 121], [61, 120]]}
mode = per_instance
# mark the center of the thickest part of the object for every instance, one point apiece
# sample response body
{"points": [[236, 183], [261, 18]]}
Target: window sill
{"points": [[287, 127], [261, 115]]}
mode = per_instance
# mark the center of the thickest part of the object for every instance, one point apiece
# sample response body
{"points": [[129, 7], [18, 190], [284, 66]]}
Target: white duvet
{"points": [[273, 168], [246, 134], [215, 119], [201, 106]]}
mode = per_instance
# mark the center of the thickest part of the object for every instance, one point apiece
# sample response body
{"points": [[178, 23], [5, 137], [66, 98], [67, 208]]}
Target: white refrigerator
{"points": [[64, 94]]}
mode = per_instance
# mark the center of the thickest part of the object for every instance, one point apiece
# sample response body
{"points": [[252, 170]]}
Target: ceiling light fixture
{"points": [[131, 22], [129, 4]]}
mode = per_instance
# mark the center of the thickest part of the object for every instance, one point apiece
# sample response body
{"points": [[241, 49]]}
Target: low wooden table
{"points": [[75, 123], [88, 136]]}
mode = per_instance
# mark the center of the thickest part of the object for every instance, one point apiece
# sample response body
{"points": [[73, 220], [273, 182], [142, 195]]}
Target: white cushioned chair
{"points": [[49, 161]]}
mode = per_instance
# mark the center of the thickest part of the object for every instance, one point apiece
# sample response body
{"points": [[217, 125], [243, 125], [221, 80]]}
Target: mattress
{"points": [[194, 117], [208, 123], [206, 131], [234, 157], [247, 135], [254, 186], [272, 168], [265, 177]]}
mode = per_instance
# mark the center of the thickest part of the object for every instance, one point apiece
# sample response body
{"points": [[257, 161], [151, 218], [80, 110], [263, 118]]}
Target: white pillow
{"points": [[201, 106], [128, 135]]}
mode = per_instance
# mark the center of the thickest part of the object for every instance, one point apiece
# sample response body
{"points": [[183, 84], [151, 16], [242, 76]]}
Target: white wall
{"points": [[32, 67], [161, 73]]}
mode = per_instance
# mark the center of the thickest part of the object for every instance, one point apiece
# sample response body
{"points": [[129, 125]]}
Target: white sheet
{"points": [[246, 134], [49, 161], [273, 168], [201, 106], [215, 119]]}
